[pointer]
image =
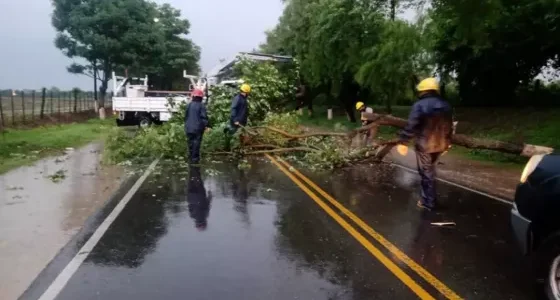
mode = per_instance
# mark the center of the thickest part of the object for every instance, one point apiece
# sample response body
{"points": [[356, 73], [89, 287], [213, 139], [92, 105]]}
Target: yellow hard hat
{"points": [[359, 105], [245, 88], [428, 84]]}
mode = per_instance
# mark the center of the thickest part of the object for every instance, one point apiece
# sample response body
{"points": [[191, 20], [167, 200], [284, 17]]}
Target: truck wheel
{"points": [[553, 280], [548, 266], [144, 121]]}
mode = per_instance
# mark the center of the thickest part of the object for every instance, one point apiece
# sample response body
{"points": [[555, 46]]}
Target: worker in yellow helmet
{"points": [[239, 111], [363, 109], [430, 123], [240, 108]]}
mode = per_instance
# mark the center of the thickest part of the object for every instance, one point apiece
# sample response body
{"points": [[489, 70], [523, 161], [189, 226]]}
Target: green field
{"points": [[24, 146], [517, 125]]}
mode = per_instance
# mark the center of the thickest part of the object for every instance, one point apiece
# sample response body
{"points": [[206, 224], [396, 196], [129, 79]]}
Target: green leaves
{"points": [[270, 87], [392, 64], [114, 35], [495, 46]]}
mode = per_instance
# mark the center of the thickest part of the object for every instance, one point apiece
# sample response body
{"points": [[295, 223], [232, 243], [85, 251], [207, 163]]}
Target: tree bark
{"points": [[393, 8], [103, 90], [526, 150], [95, 81]]}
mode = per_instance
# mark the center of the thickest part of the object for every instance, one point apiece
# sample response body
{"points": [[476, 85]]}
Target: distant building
{"points": [[224, 71]]}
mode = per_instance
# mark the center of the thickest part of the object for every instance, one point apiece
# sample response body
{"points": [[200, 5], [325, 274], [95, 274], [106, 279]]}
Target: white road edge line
{"points": [[62, 279], [458, 185]]}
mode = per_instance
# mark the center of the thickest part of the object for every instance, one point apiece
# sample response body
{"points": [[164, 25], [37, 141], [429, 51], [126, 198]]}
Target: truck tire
{"points": [[144, 121], [548, 266]]}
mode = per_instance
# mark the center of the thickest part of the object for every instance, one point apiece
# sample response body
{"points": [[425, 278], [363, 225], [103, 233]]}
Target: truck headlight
{"points": [[530, 167]]}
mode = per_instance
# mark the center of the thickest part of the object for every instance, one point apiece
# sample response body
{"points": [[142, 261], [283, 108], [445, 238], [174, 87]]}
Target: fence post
{"points": [[75, 100], [52, 102], [2, 112], [58, 102], [13, 112], [43, 98], [33, 105], [23, 104]]}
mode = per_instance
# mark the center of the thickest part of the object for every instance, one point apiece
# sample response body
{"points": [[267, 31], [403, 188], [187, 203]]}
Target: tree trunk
{"points": [[349, 112], [389, 100], [348, 95], [95, 82], [102, 94], [393, 9], [103, 90], [526, 150]]}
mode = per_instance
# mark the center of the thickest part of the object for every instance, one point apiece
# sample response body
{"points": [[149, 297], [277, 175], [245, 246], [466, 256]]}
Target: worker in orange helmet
{"points": [[196, 122]]}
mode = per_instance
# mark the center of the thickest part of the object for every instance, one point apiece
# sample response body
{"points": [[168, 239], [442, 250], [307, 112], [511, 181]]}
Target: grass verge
{"points": [[516, 125], [20, 147]]}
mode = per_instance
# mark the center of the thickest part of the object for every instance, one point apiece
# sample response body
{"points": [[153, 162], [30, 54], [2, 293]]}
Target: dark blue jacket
{"points": [[239, 110], [196, 119], [431, 123]]}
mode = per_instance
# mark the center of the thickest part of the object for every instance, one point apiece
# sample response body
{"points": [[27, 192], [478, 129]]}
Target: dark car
{"points": [[535, 218]]}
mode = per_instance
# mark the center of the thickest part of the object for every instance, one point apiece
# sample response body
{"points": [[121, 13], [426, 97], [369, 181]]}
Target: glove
{"points": [[402, 149]]}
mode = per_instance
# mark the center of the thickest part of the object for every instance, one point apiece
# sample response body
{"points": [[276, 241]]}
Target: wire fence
{"points": [[19, 108]]}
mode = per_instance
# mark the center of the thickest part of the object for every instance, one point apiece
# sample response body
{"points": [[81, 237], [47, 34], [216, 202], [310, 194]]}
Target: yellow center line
{"points": [[388, 263], [431, 279]]}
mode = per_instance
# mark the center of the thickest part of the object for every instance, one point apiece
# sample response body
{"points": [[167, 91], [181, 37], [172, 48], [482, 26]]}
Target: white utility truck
{"points": [[135, 104]]}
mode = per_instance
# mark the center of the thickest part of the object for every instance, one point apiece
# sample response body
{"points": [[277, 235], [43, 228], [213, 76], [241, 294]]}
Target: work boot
{"points": [[422, 206]]}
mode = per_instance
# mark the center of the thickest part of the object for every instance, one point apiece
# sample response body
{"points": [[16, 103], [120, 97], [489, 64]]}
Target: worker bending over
{"points": [[430, 123], [196, 122], [363, 109]]}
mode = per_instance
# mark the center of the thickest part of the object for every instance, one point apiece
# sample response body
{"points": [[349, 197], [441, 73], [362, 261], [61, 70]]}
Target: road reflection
{"points": [[198, 200]]}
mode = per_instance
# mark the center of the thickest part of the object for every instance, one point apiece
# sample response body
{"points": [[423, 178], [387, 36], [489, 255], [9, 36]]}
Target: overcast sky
{"points": [[29, 59]]}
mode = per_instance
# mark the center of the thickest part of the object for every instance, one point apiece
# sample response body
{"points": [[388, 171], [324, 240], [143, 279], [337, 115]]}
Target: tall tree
{"points": [[495, 46], [394, 63], [327, 37], [117, 34], [177, 52]]}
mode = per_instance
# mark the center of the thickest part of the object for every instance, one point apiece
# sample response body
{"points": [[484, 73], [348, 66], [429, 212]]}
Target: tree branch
{"points": [[300, 136], [526, 150], [282, 150]]}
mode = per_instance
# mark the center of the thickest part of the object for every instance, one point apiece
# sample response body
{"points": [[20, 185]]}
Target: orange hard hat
{"points": [[198, 93]]}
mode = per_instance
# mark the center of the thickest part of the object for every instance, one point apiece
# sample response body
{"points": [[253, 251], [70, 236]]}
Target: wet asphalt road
{"points": [[224, 233]]}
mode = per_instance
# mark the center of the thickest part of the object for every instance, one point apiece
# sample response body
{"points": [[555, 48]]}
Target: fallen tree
{"points": [[526, 150], [273, 132]]}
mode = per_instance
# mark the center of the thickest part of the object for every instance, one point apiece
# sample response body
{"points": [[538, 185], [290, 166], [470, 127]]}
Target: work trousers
{"points": [[194, 141], [367, 136], [427, 170]]}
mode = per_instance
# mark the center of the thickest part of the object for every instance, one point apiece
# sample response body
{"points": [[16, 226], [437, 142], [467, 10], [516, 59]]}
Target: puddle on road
{"points": [[42, 206]]}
